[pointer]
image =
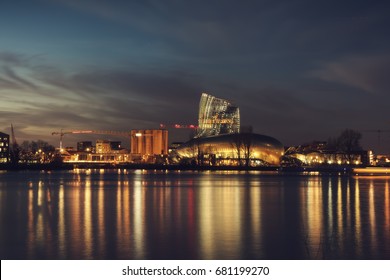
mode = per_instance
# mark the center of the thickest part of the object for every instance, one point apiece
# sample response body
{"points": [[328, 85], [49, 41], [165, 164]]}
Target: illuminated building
{"points": [[248, 149], [381, 160], [217, 116], [146, 146], [174, 146], [103, 146], [4, 147], [219, 141], [104, 152], [148, 143], [317, 153]]}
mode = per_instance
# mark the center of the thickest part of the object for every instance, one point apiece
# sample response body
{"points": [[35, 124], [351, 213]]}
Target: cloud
{"points": [[365, 73], [11, 58], [113, 88], [15, 69], [42, 98], [15, 79], [197, 29]]}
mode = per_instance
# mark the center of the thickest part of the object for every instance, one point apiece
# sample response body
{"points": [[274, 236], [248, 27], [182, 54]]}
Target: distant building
{"points": [[84, 146], [103, 146], [317, 153], [116, 145], [4, 147], [148, 143], [217, 116], [104, 152], [382, 160]]}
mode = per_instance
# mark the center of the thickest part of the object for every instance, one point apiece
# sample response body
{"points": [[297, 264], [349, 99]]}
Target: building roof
{"points": [[256, 139], [231, 146]]}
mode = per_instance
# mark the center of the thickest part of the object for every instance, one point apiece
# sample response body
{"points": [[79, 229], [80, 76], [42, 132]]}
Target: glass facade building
{"points": [[219, 140], [217, 117]]}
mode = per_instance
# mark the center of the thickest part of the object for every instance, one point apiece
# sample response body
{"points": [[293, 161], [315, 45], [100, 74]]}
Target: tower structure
{"points": [[217, 116], [149, 142]]}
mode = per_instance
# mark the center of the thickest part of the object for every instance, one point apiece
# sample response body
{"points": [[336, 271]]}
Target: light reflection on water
{"points": [[123, 214]]}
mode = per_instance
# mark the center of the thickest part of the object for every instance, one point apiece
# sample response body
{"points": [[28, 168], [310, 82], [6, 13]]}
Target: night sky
{"points": [[298, 70]]}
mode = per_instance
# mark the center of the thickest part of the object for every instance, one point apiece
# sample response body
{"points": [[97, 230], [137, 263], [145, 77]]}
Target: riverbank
{"points": [[70, 166], [36, 166], [332, 169]]}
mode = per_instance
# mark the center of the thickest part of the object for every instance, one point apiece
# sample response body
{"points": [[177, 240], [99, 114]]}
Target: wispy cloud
{"points": [[366, 73], [13, 77], [46, 98], [11, 58]]}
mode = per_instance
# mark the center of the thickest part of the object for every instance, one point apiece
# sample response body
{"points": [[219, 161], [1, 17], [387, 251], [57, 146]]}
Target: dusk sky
{"points": [[298, 70]]}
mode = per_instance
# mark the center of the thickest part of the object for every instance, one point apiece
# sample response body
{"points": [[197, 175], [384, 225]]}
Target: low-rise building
{"points": [[316, 153]]}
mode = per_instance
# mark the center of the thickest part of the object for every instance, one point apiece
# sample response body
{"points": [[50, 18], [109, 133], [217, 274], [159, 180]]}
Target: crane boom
{"points": [[188, 126], [62, 133], [106, 132]]}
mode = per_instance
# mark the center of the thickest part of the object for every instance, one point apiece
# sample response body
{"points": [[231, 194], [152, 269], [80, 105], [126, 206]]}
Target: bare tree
{"points": [[238, 146], [247, 145], [36, 151], [196, 151], [348, 143], [242, 143]]}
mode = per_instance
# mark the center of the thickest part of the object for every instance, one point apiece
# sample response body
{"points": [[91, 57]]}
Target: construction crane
{"points": [[187, 126], [62, 133]]}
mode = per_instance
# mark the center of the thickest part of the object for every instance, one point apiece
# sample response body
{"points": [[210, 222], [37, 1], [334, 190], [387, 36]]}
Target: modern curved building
{"points": [[236, 149], [217, 116]]}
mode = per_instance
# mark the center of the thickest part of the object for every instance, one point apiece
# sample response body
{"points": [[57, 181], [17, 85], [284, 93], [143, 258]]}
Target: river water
{"points": [[139, 214]]}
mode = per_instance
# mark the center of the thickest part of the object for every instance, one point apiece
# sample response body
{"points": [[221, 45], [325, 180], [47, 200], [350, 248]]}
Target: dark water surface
{"points": [[120, 214]]}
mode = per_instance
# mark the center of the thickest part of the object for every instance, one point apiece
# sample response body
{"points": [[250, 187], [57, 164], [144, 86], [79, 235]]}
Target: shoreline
{"points": [[323, 170], [130, 166]]}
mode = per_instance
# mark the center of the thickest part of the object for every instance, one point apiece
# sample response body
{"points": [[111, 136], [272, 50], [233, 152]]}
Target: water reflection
{"points": [[120, 214]]}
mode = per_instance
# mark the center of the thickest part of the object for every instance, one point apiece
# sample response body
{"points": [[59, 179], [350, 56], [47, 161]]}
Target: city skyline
{"points": [[298, 70]]}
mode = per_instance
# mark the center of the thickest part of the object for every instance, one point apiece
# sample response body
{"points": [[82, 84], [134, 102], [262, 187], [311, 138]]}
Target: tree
{"points": [[196, 152], [237, 144], [348, 142], [34, 146], [36, 151], [242, 143], [247, 141]]}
